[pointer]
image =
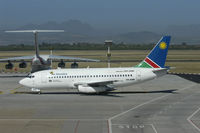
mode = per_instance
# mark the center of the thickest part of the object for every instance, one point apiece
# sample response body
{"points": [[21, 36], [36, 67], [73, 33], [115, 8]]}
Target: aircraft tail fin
{"points": [[157, 57]]}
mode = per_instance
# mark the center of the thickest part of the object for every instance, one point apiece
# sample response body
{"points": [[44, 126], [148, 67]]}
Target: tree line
{"points": [[91, 46]]}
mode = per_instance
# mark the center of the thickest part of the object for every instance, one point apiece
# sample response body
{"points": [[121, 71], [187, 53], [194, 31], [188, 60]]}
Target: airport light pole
{"points": [[108, 43]]}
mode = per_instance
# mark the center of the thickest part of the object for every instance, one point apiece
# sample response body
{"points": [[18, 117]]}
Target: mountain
{"points": [[75, 31], [138, 37], [71, 26], [78, 31]]}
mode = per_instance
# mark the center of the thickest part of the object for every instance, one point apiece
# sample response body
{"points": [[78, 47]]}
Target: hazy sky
{"points": [[122, 14]]}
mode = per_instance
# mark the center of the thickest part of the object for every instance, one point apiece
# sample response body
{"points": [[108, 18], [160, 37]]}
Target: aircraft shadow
{"points": [[112, 94]]}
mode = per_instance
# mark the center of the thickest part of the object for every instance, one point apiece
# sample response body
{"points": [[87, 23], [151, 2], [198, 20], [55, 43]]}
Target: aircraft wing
{"points": [[72, 58], [17, 58], [101, 83], [96, 84]]}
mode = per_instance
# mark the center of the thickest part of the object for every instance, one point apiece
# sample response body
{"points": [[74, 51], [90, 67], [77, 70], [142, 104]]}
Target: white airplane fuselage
{"points": [[75, 78]]}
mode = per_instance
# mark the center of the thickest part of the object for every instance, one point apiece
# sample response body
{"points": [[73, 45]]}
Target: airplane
{"points": [[98, 80], [41, 62]]}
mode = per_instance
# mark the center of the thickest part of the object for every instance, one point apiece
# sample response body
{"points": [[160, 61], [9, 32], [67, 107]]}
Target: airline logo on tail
{"points": [[157, 57]]}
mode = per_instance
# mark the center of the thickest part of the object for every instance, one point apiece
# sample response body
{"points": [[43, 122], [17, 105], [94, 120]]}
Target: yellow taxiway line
{"points": [[13, 91]]}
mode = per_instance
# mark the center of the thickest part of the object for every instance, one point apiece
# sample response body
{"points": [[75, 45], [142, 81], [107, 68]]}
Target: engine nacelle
{"points": [[23, 64], [61, 64], [74, 65], [89, 89], [9, 66]]}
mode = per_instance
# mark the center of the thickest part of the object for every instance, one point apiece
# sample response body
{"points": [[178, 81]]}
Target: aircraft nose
{"points": [[24, 82]]}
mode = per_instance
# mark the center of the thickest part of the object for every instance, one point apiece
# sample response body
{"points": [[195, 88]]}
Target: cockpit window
{"points": [[31, 76]]}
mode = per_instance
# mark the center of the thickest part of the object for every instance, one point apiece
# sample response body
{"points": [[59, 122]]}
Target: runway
{"points": [[167, 104]]}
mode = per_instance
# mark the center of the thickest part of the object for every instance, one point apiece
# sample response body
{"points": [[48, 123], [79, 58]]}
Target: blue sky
{"points": [[121, 14]]}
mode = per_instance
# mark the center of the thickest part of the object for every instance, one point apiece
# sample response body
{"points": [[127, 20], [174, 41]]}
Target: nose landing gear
{"points": [[36, 90]]}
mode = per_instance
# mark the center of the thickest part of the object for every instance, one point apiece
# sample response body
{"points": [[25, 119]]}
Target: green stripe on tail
{"points": [[143, 64]]}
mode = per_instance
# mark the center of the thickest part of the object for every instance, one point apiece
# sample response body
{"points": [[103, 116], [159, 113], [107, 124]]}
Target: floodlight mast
{"points": [[35, 32]]}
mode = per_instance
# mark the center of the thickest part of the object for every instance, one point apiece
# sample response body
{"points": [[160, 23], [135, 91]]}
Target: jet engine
{"points": [[61, 64], [89, 89], [9, 65], [74, 65], [23, 64]]}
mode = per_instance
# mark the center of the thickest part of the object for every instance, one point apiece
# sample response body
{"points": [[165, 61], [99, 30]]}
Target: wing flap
{"points": [[96, 84]]}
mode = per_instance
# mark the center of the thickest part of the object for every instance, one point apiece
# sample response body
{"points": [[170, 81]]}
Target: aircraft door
{"points": [[43, 78], [138, 75]]}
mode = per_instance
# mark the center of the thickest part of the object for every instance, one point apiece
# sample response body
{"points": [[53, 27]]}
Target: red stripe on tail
{"points": [[154, 65]]}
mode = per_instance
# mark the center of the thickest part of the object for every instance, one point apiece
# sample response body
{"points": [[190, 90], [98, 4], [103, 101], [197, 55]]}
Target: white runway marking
{"points": [[191, 122], [140, 105], [153, 127]]}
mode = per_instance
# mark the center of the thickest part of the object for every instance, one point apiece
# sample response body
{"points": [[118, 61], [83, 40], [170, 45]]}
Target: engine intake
{"points": [[74, 65], [61, 64], [9, 65], [23, 65]]}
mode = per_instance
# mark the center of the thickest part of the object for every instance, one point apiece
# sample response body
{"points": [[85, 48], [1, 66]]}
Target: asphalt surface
{"points": [[195, 77], [167, 104]]}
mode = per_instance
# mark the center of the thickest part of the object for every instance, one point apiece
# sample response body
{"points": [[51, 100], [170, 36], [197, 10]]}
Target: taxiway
{"points": [[168, 104]]}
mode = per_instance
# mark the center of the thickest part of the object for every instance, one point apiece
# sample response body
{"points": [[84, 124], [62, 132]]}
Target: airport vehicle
{"points": [[97, 80], [42, 62]]}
